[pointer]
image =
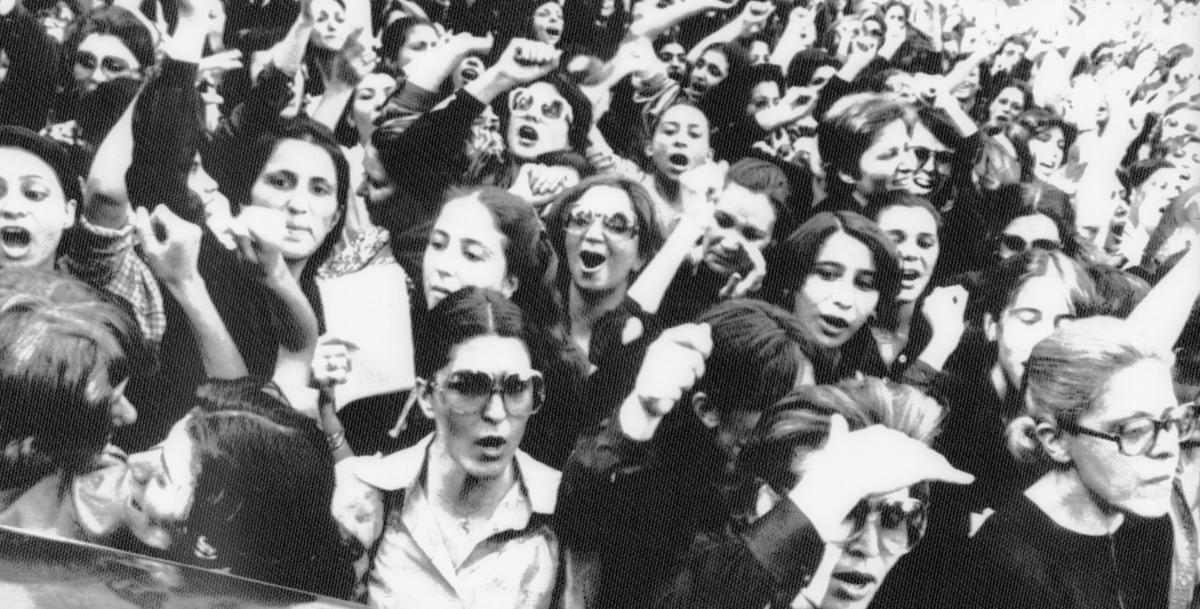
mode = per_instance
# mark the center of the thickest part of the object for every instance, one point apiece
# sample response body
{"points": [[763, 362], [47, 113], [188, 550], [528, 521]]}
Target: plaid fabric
{"points": [[105, 258]]}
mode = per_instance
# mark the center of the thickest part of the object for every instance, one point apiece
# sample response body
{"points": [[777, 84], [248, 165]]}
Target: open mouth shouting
{"points": [[590, 262], [832, 326], [853, 585], [15, 241], [527, 136], [695, 89], [491, 447], [678, 162]]}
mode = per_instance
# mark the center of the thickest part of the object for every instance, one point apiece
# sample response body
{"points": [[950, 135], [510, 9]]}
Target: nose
{"points": [[1166, 443], [594, 232], [141, 467], [123, 413], [493, 410], [908, 161], [840, 295], [866, 544]]}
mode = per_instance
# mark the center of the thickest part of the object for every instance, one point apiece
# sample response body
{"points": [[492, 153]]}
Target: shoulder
{"points": [[541, 482]]}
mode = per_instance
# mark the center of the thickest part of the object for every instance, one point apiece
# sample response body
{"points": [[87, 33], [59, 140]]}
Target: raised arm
{"points": [[747, 23], [658, 20]]}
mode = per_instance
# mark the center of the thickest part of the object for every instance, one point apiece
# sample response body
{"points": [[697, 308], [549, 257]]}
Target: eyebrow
{"points": [[162, 458], [477, 243]]}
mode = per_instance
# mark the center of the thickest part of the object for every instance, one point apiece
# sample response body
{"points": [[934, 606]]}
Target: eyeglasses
{"points": [[901, 523], [114, 66], [1138, 436], [617, 225], [726, 220], [1018, 244], [522, 100], [469, 391], [941, 157]]}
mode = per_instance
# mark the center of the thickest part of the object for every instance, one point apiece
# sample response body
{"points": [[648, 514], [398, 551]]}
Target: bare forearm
{"points": [[218, 352]]}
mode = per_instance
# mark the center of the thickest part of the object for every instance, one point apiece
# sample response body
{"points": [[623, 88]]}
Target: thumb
{"points": [[838, 429], [145, 230]]}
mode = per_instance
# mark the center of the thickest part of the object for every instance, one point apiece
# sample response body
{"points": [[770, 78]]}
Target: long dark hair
{"points": [[264, 490]]}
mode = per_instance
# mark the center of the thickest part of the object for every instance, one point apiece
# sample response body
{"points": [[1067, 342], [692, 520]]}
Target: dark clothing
{"points": [[29, 89], [642, 504], [1022, 558]]}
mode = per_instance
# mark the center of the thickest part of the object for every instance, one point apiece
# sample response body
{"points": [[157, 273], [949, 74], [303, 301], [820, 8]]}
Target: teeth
{"points": [[15, 236]]}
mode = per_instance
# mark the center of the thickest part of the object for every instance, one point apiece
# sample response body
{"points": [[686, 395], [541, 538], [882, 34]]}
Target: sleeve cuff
{"points": [[177, 74], [787, 545]]}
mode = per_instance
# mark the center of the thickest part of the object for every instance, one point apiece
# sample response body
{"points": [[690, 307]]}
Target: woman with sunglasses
{"points": [[1102, 422], [783, 467], [468, 514], [1032, 215]]}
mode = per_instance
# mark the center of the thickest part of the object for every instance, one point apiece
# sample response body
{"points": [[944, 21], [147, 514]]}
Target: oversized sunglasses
{"points": [[522, 100], [469, 391], [901, 523], [1018, 244], [617, 225]]}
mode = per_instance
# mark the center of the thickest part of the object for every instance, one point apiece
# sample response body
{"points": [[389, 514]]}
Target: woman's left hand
{"points": [[258, 234], [332, 361]]}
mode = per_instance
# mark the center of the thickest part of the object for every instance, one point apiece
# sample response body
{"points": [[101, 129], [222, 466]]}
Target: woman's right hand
{"points": [[332, 361], [170, 245]]}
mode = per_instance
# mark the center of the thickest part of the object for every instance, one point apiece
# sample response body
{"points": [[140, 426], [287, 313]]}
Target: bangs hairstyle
{"points": [[798, 253], [1013, 201], [112, 21], [466, 314], [800, 423], [1068, 372], [851, 125], [1031, 124], [63, 347]]}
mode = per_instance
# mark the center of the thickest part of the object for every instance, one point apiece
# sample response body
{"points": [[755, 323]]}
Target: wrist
{"points": [[488, 86], [638, 419]]}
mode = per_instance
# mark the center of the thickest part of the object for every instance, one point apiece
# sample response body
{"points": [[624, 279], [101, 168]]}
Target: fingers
{"points": [[672, 365]]}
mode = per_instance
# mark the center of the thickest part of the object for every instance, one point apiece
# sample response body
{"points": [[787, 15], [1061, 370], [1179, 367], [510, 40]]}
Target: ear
{"points": [[424, 397], [509, 286], [1053, 443], [991, 329], [707, 415], [648, 149]]}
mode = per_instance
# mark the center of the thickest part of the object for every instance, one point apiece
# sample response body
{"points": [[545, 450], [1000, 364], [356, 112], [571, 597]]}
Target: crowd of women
{"points": [[709, 303]]}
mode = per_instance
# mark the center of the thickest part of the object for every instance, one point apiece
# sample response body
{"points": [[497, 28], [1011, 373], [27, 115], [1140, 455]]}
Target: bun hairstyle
{"points": [[1067, 372]]}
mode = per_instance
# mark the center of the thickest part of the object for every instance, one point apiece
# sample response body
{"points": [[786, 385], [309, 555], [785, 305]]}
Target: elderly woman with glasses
{"points": [[468, 514], [1102, 421]]}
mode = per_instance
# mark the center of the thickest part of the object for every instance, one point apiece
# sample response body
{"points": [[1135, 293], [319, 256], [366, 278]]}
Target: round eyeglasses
{"points": [[1138, 437], [468, 391]]}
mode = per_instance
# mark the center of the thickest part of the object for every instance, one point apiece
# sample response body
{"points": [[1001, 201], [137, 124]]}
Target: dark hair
{"points": [[461, 316], [1001, 282], [260, 151], [984, 101], [650, 237], [758, 352], [528, 254], [396, 34], [111, 21], [51, 152], [264, 490], [1013, 201], [805, 64], [765, 177], [901, 198], [798, 253], [800, 423], [61, 344], [1030, 124], [851, 125], [1117, 292]]}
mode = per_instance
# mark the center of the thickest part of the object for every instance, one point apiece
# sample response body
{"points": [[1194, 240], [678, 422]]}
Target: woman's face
{"points": [[839, 294], [539, 121], [1140, 484], [742, 220], [889, 162], [709, 71], [480, 445], [914, 231], [934, 162], [1007, 105], [760, 52], [894, 19], [602, 259], [161, 485], [34, 211], [680, 142], [763, 95], [101, 58], [548, 23], [865, 561], [468, 69], [465, 249], [1032, 314], [300, 179], [1152, 198], [1034, 230], [421, 38], [330, 30], [1048, 150], [675, 56], [369, 96]]}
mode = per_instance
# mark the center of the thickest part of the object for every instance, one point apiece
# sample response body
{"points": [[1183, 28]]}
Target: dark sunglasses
{"points": [[617, 225], [1018, 244], [111, 65], [901, 523], [468, 391], [942, 157]]}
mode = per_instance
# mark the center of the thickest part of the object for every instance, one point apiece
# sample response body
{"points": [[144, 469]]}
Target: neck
{"points": [[904, 317], [667, 188], [460, 494], [1064, 498], [587, 306], [296, 267]]}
